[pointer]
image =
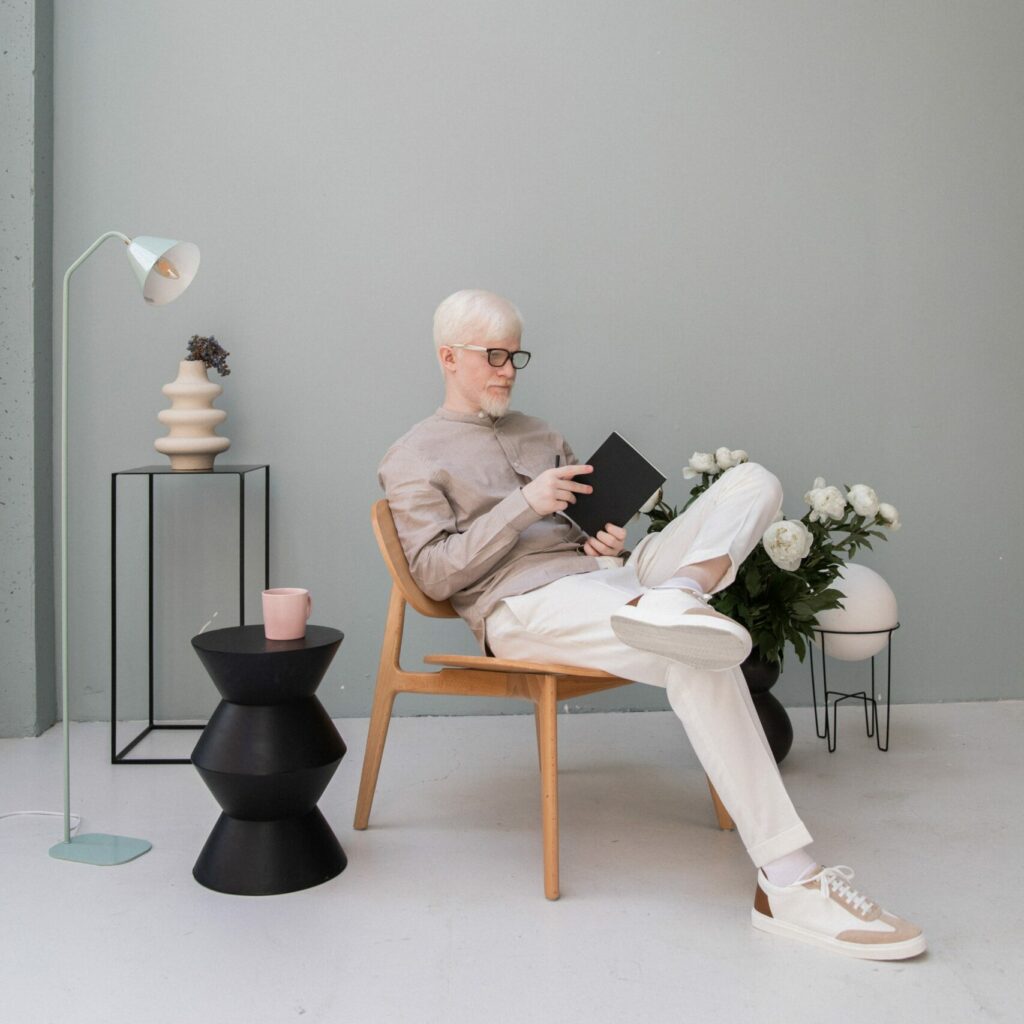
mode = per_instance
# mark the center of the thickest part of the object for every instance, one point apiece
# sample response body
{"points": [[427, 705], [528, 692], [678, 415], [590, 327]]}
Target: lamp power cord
{"points": [[76, 819]]}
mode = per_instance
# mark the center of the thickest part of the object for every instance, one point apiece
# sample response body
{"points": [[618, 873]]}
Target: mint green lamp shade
{"points": [[164, 269]]}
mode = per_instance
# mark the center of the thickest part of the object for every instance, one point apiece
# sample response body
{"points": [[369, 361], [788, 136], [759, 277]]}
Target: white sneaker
{"points": [[679, 624], [826, 911]]}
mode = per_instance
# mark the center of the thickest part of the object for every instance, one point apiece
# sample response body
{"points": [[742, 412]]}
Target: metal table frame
{"points": [[241, 471]]}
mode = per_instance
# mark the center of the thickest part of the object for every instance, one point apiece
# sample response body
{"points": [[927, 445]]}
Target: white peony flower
{"points": [[788, 543], [700, 462], [819, 483], [864, 500], [724, 458], [653, 500], [826, 502], [889, 514], [831, 504]]}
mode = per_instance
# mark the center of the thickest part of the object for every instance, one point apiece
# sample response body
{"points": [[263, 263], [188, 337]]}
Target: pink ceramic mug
{"points": [[286, 611]]}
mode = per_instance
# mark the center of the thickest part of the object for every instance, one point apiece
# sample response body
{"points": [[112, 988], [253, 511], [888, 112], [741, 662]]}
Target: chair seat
{"points": [[491, 664]]}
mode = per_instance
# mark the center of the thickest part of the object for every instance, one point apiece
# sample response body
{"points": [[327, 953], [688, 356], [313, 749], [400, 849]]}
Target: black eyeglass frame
{"points": [[503, 355]]}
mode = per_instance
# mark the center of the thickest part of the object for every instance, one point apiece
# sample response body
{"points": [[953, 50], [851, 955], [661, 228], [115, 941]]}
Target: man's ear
{"points": [[447, 356]]}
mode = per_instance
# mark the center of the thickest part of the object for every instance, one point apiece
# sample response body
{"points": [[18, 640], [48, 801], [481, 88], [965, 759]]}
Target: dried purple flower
{"points": [[209, 352]]}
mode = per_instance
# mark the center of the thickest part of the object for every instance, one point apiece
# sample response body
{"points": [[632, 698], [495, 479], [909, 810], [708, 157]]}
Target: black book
{"points": [[622, 480]]}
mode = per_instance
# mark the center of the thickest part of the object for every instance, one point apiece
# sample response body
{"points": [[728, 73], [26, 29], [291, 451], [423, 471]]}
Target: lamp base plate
{"points": [[99, 848]]}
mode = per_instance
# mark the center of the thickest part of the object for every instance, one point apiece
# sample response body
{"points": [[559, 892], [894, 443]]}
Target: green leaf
{"points": [[799, 646], [753, 579]]}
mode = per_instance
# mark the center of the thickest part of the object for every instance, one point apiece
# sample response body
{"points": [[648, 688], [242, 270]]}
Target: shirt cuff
{"points": [[518, 512]]}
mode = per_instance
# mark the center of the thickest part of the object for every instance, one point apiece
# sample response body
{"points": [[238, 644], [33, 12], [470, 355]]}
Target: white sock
{"points": [[792, 868], [680, 583]]}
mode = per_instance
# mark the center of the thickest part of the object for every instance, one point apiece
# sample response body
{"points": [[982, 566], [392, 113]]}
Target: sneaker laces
{"points": [[837, 879]]}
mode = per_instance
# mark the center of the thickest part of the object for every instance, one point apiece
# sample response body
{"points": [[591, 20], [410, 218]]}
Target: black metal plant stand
{"points": [[120, 756], [828, 730]]}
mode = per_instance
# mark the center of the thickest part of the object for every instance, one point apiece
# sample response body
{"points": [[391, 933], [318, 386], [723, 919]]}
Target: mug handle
{"points": [[309, 606]]}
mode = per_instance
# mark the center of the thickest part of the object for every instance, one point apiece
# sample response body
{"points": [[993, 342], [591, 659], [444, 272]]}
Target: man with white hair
{"points": [[474, 489]]}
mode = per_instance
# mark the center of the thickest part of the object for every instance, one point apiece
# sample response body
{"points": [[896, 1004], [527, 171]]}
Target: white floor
{"points": [[440, 915]]}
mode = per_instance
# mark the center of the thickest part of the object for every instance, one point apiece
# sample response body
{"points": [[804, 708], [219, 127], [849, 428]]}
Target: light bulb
{"points": [[165, 268]]}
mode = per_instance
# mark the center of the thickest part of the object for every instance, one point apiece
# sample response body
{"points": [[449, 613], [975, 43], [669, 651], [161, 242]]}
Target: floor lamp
{"points": [[164, 268]]}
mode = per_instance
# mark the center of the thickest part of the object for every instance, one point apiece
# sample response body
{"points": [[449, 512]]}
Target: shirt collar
{"points": [[480, 418]]}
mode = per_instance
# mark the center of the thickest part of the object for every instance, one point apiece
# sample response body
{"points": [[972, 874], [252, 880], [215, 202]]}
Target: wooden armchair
{"points": [[465, 675]]}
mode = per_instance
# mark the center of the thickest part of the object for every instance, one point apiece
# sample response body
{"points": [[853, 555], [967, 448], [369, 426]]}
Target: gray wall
{"points": [[788, 227], [27, 685]]}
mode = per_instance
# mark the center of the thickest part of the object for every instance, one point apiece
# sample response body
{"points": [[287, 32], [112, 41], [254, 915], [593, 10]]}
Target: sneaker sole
{"points": [[698, 646], [861, 950]]}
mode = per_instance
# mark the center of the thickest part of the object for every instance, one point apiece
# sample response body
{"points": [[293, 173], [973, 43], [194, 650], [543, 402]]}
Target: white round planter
{"points": [[869, 604]]}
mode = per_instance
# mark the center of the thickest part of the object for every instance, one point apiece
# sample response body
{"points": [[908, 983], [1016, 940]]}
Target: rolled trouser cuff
{"points": [[793, 839]]}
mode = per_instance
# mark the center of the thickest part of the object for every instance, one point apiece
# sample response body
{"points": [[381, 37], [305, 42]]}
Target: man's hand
{"points": [[555, 490], [609, 541]]}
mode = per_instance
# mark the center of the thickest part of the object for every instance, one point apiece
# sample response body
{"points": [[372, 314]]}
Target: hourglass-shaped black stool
{"points": [[267, 754]]}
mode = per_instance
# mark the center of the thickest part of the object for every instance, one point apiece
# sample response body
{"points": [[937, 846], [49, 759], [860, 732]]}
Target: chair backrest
{"points": [[394, 558]]}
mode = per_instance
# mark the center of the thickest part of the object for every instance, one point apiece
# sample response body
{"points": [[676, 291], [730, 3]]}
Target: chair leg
{"points": [[547, 723], [536, 725], [725, 822], [380, 718]]}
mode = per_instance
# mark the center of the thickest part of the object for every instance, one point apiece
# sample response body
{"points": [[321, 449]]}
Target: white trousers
{"points": [[568, 622]]}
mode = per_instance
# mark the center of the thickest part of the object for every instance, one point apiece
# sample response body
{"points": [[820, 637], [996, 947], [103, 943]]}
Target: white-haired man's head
{"points": [[471, 314], [483, 319]]}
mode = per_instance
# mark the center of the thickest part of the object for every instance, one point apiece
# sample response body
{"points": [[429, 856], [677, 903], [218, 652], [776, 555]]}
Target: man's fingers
{"points": [[565, 494], [567, 471], [561, 484], [618, 532]]}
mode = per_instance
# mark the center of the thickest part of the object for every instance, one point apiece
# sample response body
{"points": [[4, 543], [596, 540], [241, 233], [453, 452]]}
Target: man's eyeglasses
{"points": [[500, 356]]}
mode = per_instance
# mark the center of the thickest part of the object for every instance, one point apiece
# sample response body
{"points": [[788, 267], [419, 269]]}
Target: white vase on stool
{"points": [[192, 444]]}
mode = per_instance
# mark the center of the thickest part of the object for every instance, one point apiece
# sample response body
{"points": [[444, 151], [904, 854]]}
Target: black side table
{"points": [[267, 754], [121, 756]]}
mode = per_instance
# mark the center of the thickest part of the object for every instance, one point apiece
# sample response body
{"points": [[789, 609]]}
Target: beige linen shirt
{"points": [[454, 483]]}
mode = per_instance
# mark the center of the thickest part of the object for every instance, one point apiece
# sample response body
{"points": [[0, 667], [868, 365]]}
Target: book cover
{"points": [[622, 480]]}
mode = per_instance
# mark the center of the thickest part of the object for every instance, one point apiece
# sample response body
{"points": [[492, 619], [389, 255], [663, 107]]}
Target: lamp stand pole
{"points": [[95, 848]]}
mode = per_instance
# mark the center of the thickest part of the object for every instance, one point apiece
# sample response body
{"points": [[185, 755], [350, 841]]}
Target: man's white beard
{"points": [[495, 403]]}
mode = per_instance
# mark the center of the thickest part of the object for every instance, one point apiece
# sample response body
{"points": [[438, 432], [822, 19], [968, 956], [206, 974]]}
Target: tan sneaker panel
{"points": [[707, 611], [901, 931]]}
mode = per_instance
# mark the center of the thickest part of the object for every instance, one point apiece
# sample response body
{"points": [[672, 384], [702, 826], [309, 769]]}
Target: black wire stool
{"points": [[829, 730]]}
